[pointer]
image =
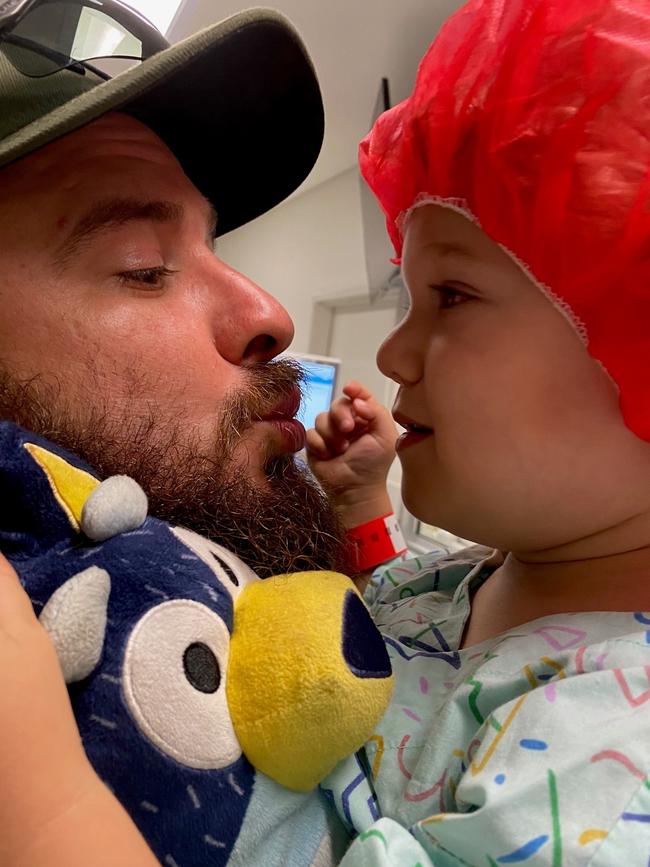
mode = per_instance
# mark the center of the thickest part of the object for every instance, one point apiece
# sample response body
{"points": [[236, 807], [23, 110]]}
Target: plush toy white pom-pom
{"points": [[117, 505]]}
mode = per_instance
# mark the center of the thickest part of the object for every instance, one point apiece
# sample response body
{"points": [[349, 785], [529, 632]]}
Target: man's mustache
{"points": [[270, 385]]}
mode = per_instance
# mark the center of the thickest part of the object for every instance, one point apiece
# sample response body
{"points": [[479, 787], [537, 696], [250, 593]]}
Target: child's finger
{"points": [[316, 445], [342, 415], [355, 389], [366, 409], [376, 417], [329, 427], [327, 438], [350, 425]]}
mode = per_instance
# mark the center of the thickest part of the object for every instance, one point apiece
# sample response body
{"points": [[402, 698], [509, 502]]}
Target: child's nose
{"points": [[398, 357]]}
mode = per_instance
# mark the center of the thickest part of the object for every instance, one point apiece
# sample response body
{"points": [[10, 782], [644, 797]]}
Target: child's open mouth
{"points": [[415, 432]]}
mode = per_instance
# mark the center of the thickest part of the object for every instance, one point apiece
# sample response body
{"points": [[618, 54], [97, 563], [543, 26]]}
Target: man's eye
{"points": [[450, 297], [153, 278]]}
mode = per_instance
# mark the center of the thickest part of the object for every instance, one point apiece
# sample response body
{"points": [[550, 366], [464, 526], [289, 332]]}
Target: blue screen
{"points": [[318, 390]]}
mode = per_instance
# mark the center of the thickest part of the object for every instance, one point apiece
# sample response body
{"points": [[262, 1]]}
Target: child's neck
{"points": [[520, 591]]}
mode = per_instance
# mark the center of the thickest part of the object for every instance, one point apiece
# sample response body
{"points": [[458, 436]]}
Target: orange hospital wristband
{"points": [[375, 542]]}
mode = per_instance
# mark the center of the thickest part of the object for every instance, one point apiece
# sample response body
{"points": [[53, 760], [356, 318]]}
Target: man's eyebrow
{"points": [[444, 249], [111, 213]]}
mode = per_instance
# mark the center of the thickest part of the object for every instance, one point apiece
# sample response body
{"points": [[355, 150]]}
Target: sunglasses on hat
{"points": [[41, 37]]}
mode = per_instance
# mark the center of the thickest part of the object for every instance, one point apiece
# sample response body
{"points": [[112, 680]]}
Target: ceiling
{"points": [[353, 43]]}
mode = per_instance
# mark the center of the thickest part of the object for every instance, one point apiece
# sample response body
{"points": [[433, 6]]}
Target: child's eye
{"points": [[450, 297], [152, 278]]}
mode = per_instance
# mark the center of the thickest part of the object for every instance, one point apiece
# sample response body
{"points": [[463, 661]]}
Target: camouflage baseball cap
{"points": [[237, 103]]}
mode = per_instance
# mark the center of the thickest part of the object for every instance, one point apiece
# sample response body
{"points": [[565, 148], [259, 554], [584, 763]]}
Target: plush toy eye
{"points": [[202, 667], [233, 573], [174, 680]]}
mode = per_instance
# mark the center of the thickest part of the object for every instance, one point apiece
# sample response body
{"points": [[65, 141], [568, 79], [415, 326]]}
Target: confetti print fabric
{"points": [[531, 748]]}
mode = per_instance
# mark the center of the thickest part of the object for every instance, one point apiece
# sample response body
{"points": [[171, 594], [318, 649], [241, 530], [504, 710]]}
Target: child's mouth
{"points": [[415, 432]]}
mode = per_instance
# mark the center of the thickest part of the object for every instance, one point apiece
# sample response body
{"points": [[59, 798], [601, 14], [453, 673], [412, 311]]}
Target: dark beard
{"points": [[284, 526]]}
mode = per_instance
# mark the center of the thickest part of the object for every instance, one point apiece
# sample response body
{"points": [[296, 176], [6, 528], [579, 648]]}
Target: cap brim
{"points": [[238, 104]]}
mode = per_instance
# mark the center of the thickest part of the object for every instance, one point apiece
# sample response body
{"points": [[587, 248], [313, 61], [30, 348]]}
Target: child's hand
{"points": [[350, 452]]}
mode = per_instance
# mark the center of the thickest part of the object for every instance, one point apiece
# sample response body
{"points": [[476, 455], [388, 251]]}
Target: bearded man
{"points": [[123, 337]]}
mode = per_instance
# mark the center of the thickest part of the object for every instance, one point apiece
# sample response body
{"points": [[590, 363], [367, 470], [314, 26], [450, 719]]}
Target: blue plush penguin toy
{"points": [[211, 702]]}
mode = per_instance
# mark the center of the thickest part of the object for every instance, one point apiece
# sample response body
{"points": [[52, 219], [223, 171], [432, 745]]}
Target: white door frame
{"points": [[325, 309]]}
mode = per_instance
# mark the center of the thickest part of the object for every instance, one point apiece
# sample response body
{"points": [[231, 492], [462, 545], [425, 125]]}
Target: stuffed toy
{"points": [[191, 679]]}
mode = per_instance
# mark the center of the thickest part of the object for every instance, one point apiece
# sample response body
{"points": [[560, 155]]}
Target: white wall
{"points": [[307, 248]]}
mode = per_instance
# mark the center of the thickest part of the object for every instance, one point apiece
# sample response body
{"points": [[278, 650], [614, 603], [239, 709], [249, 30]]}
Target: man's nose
{"points": [[250, 325]]}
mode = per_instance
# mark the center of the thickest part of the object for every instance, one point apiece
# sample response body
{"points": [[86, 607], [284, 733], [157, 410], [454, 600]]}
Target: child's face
{"points": [[527, 448]]}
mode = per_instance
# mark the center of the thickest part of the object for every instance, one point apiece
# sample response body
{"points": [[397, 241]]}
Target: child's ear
{"points": [[42, 492]]}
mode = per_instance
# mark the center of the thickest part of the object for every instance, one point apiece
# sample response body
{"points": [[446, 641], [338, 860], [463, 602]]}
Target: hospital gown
{"points": [[530, 748]]}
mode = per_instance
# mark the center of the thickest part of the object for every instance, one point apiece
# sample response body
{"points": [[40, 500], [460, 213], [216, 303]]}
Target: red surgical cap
{"points": [[532, 118]]}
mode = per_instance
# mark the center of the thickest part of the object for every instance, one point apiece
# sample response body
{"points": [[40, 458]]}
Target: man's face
{"points": [[124, 338]]}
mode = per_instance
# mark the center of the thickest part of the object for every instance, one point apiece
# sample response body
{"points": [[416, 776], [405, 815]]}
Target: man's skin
{"points": [[70, 308], [125, 339]]}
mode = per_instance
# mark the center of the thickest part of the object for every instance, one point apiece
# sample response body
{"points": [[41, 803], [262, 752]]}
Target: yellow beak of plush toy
{"points": [[308, 675]]}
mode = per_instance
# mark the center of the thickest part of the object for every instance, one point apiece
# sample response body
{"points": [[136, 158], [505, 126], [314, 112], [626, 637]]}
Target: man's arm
{"points": [[54, 810]]}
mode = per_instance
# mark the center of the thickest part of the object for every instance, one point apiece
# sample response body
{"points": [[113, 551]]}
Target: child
{"points": [[515, 181], [516, 185]]}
